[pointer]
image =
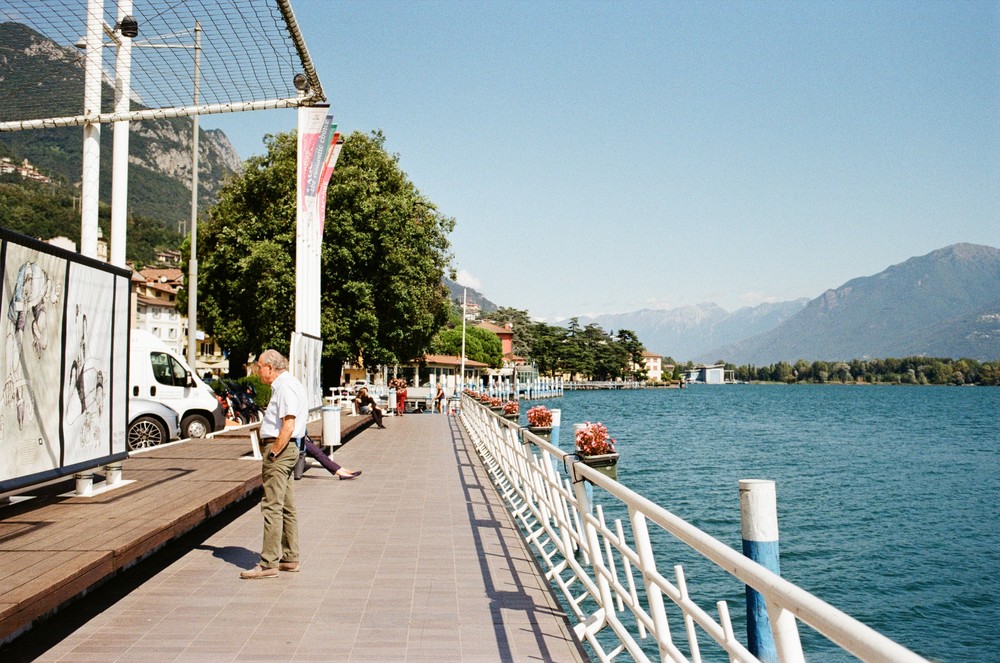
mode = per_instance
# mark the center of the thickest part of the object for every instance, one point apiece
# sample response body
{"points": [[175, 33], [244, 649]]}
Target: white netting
{"points": [[250, 52]]}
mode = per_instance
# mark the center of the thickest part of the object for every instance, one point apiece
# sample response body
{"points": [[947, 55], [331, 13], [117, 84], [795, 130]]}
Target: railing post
{"points": [[759, 518], [654, 595]]}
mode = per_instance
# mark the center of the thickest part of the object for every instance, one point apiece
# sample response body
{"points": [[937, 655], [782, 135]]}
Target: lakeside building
{"points": [[506, 336], [710, 374], [654, 366]]}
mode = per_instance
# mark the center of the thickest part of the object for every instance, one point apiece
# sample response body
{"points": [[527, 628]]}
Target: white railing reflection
{"points": [[609, 576]]}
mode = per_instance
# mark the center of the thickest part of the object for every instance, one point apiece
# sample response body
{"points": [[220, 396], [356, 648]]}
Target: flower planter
{"points": [[496, 409], [606, 464], [510, 417], [544, 432]]}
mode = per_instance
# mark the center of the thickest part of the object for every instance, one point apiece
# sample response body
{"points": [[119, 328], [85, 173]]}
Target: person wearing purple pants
{"points": [[333, 468]]}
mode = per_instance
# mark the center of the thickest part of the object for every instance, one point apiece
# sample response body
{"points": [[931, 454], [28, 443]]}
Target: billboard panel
{"points": [[64, 326]]}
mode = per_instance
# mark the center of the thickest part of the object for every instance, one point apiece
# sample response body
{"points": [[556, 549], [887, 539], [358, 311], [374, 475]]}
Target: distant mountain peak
{"points": [[927, 305]]}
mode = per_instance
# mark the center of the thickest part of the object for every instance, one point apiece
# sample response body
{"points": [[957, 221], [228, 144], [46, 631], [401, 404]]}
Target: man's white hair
{"points": [[274, 359]]}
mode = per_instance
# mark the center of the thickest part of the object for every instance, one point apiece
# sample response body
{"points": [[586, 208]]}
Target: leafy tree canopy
{"points": [[385, 249], [480, 345]]}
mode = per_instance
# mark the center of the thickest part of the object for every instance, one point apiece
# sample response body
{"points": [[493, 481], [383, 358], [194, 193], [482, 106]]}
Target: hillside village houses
{"points": [[25, 170]]}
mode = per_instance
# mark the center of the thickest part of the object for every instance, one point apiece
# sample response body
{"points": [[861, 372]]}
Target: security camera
{"points": [[129, 27]]}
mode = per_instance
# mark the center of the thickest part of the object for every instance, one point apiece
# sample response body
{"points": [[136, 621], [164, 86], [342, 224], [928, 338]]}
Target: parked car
{"points": [[150, 424]]}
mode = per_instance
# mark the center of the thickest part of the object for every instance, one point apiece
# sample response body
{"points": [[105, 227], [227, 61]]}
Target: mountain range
{"points": [[37, 72], [943, 304]]}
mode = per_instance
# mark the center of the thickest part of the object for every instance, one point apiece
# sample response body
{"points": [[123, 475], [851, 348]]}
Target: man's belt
{"points": [[297, 440]]}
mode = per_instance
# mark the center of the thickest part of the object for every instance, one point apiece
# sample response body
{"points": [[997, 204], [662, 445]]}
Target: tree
{"points": [[384, 252], [548, 348], [633, 348], [575, 357], [480, 345]]}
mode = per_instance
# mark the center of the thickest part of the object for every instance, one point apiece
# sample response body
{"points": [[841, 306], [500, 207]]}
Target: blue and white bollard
{"points": [[759, 518]]}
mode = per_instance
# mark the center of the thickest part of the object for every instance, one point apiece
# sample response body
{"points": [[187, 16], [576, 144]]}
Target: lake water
{"points": [[888, 497]]}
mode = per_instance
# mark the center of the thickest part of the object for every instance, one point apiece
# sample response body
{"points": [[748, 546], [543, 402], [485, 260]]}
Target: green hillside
{"points": [[35, 72]]}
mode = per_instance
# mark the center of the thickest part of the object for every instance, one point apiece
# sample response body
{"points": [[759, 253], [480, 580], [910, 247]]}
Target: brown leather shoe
{"points": [[291, 567], [258, 572]]}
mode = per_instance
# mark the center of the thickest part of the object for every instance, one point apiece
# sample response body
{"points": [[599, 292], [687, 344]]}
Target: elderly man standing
{"points": [[283, 425]]}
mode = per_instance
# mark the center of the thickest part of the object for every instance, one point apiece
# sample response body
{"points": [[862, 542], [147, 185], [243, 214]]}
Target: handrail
{"points": [[602, 572]]}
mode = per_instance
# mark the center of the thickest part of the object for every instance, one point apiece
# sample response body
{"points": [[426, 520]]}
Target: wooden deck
{"points": [[54, 546], [416, 560]]}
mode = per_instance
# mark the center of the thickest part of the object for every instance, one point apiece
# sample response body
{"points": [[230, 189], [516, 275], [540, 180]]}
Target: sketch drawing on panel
{"points": [[33, 293], [86, 380]]}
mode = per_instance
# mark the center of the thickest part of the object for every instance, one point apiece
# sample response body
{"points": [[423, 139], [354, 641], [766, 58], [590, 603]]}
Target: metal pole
{"points": [[90, 184], [465, 294], [192, 353], [119, 167]]}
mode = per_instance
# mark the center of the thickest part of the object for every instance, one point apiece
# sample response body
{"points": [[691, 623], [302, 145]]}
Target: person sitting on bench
{"points": [[367, 404]]}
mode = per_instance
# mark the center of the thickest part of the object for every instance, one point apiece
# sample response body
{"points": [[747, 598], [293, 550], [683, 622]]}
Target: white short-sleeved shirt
{"points": [[288, 396]]}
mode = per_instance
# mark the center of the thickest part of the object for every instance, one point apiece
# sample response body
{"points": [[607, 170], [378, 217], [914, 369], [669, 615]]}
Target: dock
{"points": [[416, 560]]}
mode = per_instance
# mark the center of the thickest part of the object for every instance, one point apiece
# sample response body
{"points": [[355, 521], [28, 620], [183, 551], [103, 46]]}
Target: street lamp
{"points": [[465, 292]]}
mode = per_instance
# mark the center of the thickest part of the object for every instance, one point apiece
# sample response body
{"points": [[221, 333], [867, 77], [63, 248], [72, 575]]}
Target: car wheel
{"points": [[195, 425], [146, 432]]}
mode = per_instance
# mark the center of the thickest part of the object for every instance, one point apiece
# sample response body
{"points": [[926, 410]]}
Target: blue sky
{"points": [[603, 157]]}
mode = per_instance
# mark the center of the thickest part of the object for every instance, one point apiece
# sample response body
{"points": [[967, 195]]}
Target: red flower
{"points": [[540, 417], [593, 440]]}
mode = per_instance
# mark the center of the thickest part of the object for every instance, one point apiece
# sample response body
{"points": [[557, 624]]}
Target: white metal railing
{"points": [[603, 571]]}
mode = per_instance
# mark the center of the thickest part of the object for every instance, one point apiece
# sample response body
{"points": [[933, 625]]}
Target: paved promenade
{"points": [[416, 560]]}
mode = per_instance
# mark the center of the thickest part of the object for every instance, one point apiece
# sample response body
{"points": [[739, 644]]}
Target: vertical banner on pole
{"points": [[315, 131], [317, 157]]}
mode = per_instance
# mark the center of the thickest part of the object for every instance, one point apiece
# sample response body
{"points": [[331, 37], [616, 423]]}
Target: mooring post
{"points": [[759, 518]]}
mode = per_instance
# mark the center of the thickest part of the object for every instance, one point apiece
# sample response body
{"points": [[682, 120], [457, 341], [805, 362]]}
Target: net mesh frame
{"points": [[250, 53]]}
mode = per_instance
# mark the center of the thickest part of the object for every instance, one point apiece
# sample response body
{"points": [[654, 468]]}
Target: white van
{"points": [[157, 373]]}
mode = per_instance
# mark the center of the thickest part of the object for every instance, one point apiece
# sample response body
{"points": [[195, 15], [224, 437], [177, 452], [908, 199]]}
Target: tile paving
{"points": [[417, 560]]}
